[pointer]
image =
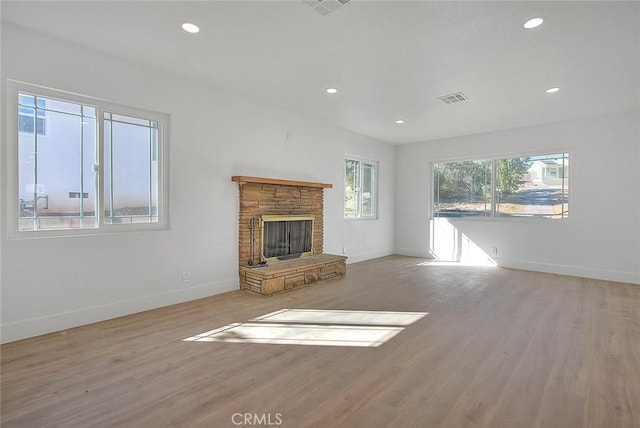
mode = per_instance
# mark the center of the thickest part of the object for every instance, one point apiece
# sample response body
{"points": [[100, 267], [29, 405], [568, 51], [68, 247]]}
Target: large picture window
{"points": [[360, 194], [97, 164], [524, 186]]}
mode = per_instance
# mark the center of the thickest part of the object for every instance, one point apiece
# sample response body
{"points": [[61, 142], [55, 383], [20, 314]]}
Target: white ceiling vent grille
{"points": [[325, 7], [453, 98]]}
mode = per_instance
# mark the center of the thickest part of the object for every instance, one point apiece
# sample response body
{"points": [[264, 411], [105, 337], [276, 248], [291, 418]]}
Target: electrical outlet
{"points": [[344, 250], [494, 251], [186, 276]]}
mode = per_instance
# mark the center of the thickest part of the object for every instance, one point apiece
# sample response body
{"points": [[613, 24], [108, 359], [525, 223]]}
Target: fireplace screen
{"points": [[285, 237]]}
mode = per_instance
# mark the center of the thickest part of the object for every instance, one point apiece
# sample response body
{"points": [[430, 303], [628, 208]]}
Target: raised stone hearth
{"points": [[288, 274], [264, 199]]}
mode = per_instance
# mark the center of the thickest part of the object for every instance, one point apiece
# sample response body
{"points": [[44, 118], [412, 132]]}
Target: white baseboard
{"points": [[580, 271], [31, 327], [368, 255], [413, 252]]}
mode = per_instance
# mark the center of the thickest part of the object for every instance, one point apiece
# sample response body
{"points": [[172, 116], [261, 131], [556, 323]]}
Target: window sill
{"points": [[360, 218], [102, 231], [515, 219]]}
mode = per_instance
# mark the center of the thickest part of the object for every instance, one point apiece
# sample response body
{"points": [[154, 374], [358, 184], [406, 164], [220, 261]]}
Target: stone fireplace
{"points": [[281, 233]]}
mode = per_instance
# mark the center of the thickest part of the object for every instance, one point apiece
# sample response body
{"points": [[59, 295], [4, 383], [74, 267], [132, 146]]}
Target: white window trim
{"points": [[12, 138], [362, 160], [573, 154]]}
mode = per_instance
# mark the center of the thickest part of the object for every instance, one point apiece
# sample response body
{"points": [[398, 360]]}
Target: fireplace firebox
{"points": [[286, 237]]}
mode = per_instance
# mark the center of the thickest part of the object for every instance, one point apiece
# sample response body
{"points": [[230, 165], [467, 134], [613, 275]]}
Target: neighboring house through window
{"points": [[360, 197], [31, 108]]}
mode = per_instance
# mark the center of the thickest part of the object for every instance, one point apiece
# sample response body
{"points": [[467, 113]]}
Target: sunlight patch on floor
{"points": [[308, 334], [316, 327]]}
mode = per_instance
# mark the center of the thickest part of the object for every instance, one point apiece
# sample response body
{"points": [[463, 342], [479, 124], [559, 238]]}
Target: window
{"points": [[524, 186], [360, 197], [98, 164]]}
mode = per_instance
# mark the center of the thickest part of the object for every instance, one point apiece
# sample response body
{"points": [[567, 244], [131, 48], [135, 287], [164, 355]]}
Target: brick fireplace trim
{"points": [[268, 196]]}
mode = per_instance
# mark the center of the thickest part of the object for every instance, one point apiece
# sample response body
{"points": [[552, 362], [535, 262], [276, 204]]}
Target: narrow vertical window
{"points": [[368, 189], [360, 197], [352, 188]]}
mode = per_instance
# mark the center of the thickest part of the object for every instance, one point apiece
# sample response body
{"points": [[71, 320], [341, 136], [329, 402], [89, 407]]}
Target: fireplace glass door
{"points": [[286, 237]]}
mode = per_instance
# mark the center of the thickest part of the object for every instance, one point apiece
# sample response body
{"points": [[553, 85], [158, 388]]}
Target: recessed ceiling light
{"points": [[190, 28], [533, 23], [399, 121], [331, 90], [552, 90]]}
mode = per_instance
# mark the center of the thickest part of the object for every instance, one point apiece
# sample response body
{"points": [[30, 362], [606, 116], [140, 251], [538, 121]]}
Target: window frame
{"points": [[492, 217], [12, 163], [361, 161]]}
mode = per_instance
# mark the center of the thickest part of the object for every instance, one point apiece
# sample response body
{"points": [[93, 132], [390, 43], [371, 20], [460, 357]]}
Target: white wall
{"points": [[55, 283], [602, 237]]}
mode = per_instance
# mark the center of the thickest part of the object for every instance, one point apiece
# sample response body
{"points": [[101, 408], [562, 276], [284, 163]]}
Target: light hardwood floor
{"points": [[498, 347]]}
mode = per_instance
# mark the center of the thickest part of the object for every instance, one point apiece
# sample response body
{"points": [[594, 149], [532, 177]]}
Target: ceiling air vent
{"points": [[453, 98], [325, 7]]}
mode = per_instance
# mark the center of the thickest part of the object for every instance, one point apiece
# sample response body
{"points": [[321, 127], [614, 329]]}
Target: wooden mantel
{"points": [[262, 180]]}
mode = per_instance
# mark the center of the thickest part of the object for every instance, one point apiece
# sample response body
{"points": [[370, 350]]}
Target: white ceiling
{"points": [[389, 59]]}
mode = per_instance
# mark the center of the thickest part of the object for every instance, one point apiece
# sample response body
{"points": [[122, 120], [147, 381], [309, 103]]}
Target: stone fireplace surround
{"points": [[268, 196]]}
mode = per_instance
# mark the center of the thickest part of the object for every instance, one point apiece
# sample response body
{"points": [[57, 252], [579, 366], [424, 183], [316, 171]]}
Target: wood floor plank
{"points": [[497, 347]]}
